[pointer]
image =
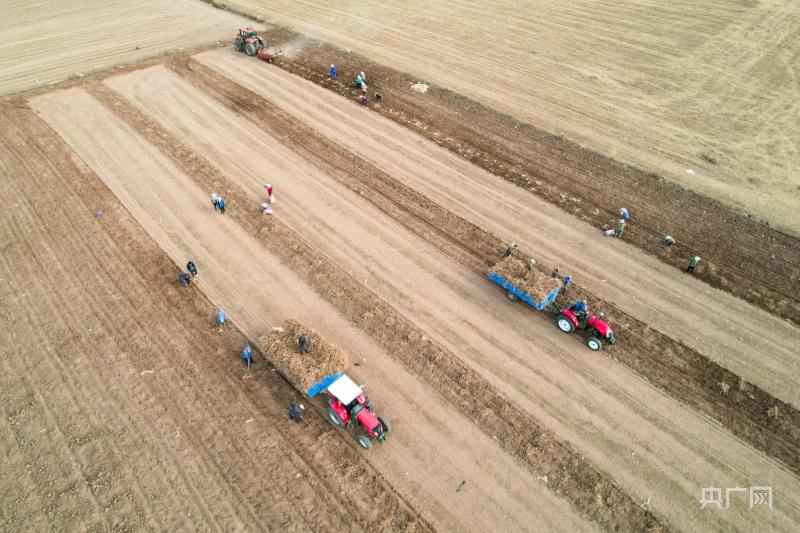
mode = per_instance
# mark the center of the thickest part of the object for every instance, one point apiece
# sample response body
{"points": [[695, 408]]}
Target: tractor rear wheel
{"points": [[249, 49], [594, 343], [334, 418], [363, 440], [565, 324]]}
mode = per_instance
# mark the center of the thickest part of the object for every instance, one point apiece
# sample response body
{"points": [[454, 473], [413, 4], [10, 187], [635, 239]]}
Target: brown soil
{"points": [[531, 281], [123, 407], [684, 373], [593, 494], [740, 255], [302, 370]]}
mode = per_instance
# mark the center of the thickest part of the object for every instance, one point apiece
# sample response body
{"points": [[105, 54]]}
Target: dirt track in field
{"points": [[752, 414], [740, 255], [562, 403], [48, 41], [433, 447], [669, 86], [122, 407]]}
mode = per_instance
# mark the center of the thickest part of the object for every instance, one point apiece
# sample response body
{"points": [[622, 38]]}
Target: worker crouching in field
{"points": [[693, 262], [620, 229]]}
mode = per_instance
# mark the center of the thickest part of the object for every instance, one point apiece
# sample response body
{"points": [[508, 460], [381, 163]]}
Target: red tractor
{"points": [[576, 316], [249, 41], [348, 403]]}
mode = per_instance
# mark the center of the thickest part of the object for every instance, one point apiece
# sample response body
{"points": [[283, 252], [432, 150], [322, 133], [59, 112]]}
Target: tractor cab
{"points": [[248, 33], [348, 403]]}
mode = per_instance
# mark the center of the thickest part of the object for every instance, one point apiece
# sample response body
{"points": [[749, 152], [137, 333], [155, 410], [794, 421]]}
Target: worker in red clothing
{"points": [[270, 193]]}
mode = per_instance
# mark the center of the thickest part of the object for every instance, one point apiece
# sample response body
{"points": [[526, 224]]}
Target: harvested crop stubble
{"points": [[301, 370], [530, 281]]}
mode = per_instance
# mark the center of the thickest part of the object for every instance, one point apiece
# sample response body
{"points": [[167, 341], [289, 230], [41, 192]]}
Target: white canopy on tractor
{"points": [[344, 389]]}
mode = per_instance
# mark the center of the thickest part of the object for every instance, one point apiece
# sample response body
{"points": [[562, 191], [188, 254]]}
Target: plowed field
{"points": [[126, 408], [706, 86]]}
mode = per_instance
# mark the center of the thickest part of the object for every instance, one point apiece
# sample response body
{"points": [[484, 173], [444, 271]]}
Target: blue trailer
{"points": [[515, 293]]}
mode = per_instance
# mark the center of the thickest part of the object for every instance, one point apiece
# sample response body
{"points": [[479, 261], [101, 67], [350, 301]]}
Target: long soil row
{"points": [[748, 411], [125, 408], [591, 493], [742, 256]]}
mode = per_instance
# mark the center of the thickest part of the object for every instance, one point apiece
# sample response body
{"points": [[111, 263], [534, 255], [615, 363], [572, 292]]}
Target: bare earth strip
{"points": [[48, 41], [705, 319], [578, 396], [772, 426], [740, 255], [123, 408], [432, 450], [660, 84]]}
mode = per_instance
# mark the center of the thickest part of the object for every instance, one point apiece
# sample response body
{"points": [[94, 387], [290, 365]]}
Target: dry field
{"points": [[48, 41], [124, 407], [665, 85]]}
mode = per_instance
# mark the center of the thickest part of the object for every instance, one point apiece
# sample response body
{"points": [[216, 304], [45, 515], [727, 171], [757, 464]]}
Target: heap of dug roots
{"points": [[531, 281], [302, 370]]}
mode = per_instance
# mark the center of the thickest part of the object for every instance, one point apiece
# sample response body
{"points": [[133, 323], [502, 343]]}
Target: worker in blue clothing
{"points": [[247, 355], [294, 412], [221, 317], [333, 71], [623, 214], [185, 278], [566, 281], [302, 343], [221, 205], [191, 268]]}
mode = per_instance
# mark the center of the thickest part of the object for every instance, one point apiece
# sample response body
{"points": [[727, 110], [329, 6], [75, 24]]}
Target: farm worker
{"points": [[364, 88], [359, 81], [565, 281], [221, 205], [333, 71], [247, 354], [270, 193], [302, 343], [620, 229], [554, 273], [363, 99], [623, 214], [214, 200], [185, 278], [266, 209], [294, 412], [531, 264], [191, 268], [669, 241], [363, 78], [692, 263], [510, 249], [221, 317]]}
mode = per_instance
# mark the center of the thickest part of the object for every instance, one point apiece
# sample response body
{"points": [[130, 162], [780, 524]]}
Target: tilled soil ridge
{"points": [[104, 272], [593, 494], [740, 255], [767, 423]]}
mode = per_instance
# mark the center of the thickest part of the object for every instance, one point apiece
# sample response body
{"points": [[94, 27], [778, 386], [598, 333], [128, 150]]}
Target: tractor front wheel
{"points": [[385, 424], [249, 49], [334, 418], [363, 440], [237, 45], [565, 324], [594, 343]]}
